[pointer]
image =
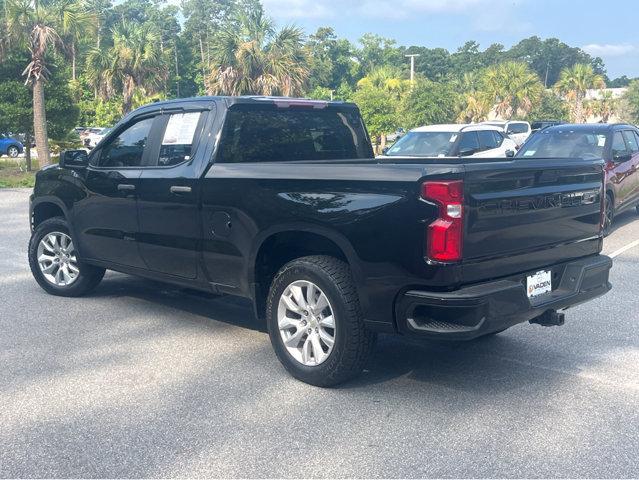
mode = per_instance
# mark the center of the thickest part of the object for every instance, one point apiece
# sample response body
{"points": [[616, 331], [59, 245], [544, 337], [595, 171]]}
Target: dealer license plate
{"points": [[539, 283]]}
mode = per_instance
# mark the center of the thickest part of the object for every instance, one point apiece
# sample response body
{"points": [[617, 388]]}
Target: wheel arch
{"points": [[47, 207], [278, 246]]}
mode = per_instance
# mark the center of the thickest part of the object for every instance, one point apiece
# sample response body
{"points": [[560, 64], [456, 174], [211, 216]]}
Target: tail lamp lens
{"points": [[444, 237]]}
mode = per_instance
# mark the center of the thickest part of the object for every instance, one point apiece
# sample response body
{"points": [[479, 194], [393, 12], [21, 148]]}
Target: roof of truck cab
{"points": [[255, 99], [586, 127]]}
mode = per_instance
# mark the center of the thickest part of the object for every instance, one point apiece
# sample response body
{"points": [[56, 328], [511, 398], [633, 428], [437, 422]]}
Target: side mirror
{"points": [[385, 150], [621, 157], [510, 153], [75, 159], [467, 152]]}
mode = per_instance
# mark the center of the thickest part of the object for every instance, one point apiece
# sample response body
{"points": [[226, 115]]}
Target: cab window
{"points": [[469, 143], [127, 148], [487, 140], [179, 138], [619, 148], [631, 140]]}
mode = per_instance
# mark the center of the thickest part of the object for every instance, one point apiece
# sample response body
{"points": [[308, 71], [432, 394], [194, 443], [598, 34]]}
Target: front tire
{"points": [[55, 263], [13, 152], [315, 322], [609, 215]]}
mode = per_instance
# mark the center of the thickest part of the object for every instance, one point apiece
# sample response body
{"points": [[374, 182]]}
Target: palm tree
{"points": [[76, 21], [134, 62], [513, 87], [35, 25], [604, 107], [386, 78], [574, 82], [255, 59]]}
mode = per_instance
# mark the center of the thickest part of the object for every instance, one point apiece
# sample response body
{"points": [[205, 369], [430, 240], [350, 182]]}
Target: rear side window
{"points": [[631, 140], [179, 138], [127, 148], [487, 140], [257, 133], [618, 145], [468, 143]]}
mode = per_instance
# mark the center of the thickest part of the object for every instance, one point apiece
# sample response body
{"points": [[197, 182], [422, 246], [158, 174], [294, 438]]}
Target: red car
{"points": [[616, 144]]}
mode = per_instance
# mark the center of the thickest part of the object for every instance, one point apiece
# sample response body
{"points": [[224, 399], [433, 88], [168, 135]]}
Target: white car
{"points": [[518, 130], [92, 136], [453, 140]]}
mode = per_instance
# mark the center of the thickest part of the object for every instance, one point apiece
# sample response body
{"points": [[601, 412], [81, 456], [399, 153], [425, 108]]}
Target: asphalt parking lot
{"points": [[142, 379]]}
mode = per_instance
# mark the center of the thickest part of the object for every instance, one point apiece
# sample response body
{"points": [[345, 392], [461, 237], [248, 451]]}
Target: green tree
{"points": [[428, 103], [254, 58], [378, 52], [379, 111], [574, 82], [134, 62], [551, 107], [330, 59], [513, 88], [604, 107], [548, 57], [432, 63], [631, 99], [17, 114], [36, 25]]}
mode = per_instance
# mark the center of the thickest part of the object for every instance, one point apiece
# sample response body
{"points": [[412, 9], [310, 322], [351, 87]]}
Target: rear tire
{"points": [[80, 278], [13, 152], [318, 280]]}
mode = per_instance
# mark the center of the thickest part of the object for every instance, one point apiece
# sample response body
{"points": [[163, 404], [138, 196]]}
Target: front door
{"points": [[623, 172], [168, 206], [106, 221]]}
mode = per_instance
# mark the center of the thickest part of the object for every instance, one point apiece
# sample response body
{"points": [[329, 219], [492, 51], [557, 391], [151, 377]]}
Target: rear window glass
{"points": [[424, 144], [270, 134], [564, 144], [517, 128]]}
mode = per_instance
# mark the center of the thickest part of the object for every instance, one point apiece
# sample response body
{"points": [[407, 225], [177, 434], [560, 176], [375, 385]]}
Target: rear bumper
{"points": [[488, 307]]}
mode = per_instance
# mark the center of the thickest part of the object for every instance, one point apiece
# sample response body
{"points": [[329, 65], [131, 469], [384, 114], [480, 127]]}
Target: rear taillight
{"points": [[444, 236]]}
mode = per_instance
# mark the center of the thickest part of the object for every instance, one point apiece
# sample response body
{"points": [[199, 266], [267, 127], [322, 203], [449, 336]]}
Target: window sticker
{"points": [[529, 153], [601, 140], [180, 129]]}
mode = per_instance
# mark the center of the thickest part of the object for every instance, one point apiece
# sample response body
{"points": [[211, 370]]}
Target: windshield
{"points": [[564, 144], [424, 144]]}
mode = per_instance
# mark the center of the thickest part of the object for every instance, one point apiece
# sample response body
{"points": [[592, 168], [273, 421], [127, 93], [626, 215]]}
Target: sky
{"points": [[602, 28]]}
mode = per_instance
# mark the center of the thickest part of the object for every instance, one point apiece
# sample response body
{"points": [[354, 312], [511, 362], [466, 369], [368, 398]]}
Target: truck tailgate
{"points": [[519, 211]]}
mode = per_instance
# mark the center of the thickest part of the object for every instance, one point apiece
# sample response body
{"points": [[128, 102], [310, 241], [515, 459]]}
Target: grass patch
{"points": [[13, 174]]}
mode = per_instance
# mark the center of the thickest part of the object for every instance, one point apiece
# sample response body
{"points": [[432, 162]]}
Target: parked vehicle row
{"points": [[453, 140], [90, 137], [282, 201]]}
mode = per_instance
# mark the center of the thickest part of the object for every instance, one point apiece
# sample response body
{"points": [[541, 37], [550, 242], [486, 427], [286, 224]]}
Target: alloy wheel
{"points": [[13, 152], [306, 323], [57, 259]]}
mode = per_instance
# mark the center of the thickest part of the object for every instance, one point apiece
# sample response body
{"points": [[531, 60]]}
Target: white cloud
{"points": [[609, 50]]}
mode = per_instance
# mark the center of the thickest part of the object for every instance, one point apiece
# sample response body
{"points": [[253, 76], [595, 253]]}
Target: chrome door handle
{"points": [[180, 189], [126, 186]]}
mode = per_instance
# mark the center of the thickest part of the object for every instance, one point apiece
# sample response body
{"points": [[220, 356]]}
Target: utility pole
{"points": [[412, 66]]}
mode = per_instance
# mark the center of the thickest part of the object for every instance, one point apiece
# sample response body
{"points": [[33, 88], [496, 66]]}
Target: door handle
{"points": [[125, 186], [180, 189]]}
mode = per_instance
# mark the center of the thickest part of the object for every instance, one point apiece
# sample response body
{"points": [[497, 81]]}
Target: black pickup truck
{"points": [[282, 201]]}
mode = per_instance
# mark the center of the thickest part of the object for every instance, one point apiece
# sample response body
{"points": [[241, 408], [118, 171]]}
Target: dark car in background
{"points": [[616, 144], [10, 147]]}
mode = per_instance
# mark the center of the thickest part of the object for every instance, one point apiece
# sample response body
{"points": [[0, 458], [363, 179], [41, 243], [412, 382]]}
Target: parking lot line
{"points": [[618, 252]]}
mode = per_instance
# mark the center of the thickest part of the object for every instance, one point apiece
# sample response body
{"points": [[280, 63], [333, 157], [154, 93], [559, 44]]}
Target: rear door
{"points": [[490, 144], [623, 171], [523, 214], [168, 196]]}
